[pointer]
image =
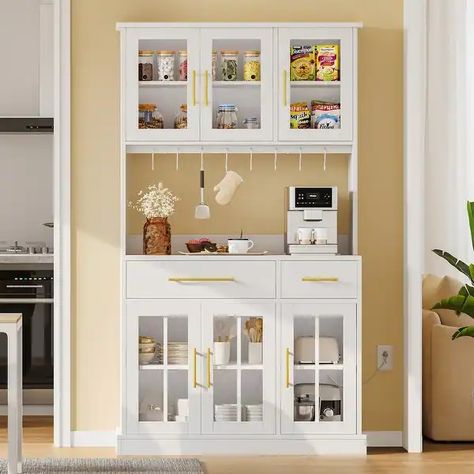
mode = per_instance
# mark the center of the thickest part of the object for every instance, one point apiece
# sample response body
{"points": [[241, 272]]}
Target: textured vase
{"points": [[157, 236]]}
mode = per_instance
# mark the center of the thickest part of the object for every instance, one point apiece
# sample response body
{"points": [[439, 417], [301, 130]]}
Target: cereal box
{"points": [[302, 63], [327, 62], [300, 116], [325, 114]]}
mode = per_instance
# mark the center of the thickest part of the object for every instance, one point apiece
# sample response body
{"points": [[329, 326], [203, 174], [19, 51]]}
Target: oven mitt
{"points": [[227, 187]]}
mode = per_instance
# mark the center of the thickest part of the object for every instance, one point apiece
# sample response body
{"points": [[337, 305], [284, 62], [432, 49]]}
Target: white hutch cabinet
{"points": [[214, 386]]}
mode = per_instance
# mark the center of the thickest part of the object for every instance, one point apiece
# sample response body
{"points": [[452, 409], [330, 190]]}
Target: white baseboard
{"points": [[90, 439], [384, 439]]}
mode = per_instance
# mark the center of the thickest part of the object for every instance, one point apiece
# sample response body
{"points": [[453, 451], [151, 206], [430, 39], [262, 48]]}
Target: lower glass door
{"points": [[239, 391]]}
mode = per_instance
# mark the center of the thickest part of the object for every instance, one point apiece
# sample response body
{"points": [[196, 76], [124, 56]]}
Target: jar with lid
{"points": [[183, 65], [165, 64], [227, 116], [149, 116], [251, 122], [229, 64], [214, 65], [181, 119], [251, 65], [145, 65]]}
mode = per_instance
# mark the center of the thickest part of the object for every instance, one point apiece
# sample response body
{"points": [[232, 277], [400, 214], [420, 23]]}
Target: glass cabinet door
{"points": [[319, 391], [315, 77], [237, 77], [162, 81], [239, 391], [163, 350]]}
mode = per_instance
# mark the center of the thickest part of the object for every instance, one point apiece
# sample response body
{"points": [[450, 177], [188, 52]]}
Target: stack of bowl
{"points": [[147, 349]]}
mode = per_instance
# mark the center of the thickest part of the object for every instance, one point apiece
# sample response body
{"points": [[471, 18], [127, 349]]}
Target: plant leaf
{"points": [[458, 303], [466, 290], [466, 331], [455, 262], [470, 215]]}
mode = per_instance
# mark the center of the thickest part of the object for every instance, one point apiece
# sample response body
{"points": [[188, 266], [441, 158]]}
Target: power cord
{"points": [[384, 362]]}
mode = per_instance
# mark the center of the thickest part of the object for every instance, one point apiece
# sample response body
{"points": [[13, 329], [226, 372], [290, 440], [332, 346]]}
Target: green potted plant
{"points": [[463, 302]]}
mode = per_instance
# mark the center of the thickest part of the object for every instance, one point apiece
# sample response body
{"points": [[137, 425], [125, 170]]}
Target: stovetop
{"points": [[16, 249]]}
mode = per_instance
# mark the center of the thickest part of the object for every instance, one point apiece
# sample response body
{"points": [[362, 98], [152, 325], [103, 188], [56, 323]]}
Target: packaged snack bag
{"points": [[302, 63], [325, 114], [327, 62], [300, 116]]}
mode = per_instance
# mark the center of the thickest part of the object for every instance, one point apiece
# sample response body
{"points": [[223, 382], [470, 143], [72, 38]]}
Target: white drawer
{"points": [[201, 279], [319, 279]]}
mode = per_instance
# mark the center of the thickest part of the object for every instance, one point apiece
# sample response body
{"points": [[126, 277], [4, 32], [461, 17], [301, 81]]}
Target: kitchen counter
{"points": [[27, 258], [227, 256]]}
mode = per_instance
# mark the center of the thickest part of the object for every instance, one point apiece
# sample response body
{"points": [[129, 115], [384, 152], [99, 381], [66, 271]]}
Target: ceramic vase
{"points": [[255, 353], [221, 353], [157, 236]]}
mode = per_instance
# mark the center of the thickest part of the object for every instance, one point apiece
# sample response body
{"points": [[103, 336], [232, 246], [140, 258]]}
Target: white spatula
{"points": [[202, 210]]}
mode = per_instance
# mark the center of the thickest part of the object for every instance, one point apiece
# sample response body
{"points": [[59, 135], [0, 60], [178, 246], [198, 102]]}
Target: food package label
{"points": [[302, 63], [327, 62]]}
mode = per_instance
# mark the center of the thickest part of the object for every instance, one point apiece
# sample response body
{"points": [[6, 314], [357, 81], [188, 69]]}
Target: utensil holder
{"points": [[255, 353], [221, 353]]}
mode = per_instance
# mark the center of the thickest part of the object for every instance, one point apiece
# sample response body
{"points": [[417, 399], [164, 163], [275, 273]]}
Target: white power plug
{"points": [[384, 357]]}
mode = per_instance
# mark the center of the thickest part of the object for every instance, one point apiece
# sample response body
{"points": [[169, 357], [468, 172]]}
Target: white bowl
{"points": [[146, 357]]}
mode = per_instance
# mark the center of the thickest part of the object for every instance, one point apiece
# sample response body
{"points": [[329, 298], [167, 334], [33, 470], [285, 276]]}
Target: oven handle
{"points": [[25, 300], [24, 286]]}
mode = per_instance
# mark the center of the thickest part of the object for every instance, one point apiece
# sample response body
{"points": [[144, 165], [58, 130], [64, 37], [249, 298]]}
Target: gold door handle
{"points": [[194, 368], [288, 367], [206, 88], [208, 361], [320, 279], [200, 279], [194, 87], [285, 78]]}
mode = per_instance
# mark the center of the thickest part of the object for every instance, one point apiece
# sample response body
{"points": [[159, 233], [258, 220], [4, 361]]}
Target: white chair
{"points": [[10, 324]]}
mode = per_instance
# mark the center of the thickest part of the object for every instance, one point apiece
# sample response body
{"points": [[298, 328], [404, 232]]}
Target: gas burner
{"points": [[14, 249]]}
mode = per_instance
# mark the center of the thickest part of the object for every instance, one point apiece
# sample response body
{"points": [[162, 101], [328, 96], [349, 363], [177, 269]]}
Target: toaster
{"points": [[328, 350]]}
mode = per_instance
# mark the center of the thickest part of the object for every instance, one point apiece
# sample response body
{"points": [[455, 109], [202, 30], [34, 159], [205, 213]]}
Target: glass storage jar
{"points": [[165, 64], [149, 116], [252, 66], [183, 65], [181, 119], [251, 122], [227, 116], [214, 65], [229, 64], [145, 65]]}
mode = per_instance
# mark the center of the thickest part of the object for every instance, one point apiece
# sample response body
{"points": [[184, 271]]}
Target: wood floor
{"points": [[438, 458]]}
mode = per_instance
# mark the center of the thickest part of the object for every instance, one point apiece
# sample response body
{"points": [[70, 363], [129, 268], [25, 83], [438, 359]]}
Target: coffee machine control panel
{"points": [[312, 197]]}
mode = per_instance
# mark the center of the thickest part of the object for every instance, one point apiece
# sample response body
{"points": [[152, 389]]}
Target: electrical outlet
{"points": [[385, 357]]}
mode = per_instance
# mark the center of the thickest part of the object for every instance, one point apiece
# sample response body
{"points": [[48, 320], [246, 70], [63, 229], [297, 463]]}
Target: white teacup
{"points": [[239, 245], [320, 236], [305, 235]]}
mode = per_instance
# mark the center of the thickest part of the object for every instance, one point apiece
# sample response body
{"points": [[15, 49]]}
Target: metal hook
{"points": [[251, 159], [324, 158], [177, 159], [226, 159], [275, 159], [153, 160], [300, 160]]}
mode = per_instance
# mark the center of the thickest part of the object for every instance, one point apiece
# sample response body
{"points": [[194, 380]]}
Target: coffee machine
{"points": [[311, 220]]}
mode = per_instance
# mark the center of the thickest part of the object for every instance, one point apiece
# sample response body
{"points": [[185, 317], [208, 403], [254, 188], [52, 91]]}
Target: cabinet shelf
{"points": [[239, 366], [163, 83], [161, 367], [315, 83], [236, 83], [319, 366]]}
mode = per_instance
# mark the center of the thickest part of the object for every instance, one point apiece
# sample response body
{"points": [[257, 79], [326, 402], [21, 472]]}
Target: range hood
{"points": [[26, 125]]}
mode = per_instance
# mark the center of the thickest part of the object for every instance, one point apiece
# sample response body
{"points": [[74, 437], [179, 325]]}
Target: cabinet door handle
{"points": [[194, 368], [200, 279], [320, 279], [206, 88], [285, 78], [194, 87], [208, 361], [288, 367]]}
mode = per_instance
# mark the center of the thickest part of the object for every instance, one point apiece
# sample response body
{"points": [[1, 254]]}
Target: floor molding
{"points": [[384, 439]]}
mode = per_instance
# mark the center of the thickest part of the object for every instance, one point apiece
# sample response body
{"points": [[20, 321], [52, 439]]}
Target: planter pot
{"points": [[222, 353], [157, 236], [255, 353]]}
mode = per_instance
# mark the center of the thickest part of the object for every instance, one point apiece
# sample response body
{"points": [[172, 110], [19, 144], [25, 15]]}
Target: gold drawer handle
{"points": [[320, 279], [284, 85], [208, 367], [194, 368], [206, 88], [199, 279], [194, 87], [288, 367]]}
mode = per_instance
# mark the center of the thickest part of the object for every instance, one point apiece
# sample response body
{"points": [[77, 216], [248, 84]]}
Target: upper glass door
{"points": [[162, 84], [315, 77], [239, 392], [237, 78], [319, 359]]}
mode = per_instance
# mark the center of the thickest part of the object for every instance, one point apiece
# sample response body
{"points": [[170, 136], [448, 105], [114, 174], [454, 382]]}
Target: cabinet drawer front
{"points": [[201, 279], [328, 279]]}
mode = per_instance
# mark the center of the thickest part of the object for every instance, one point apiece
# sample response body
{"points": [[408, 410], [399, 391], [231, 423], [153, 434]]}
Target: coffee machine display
{"points": [[311, 220]]}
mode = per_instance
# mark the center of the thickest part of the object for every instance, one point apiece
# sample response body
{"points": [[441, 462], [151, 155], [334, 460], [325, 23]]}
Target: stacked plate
{"points": [[149, 351], [226, 412], [178, 353], [253, 412]]}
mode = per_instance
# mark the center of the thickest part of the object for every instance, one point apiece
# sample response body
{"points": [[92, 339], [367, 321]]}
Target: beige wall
{"points": [[95, 193]]}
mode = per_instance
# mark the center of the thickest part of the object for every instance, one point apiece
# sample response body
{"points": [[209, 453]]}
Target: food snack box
{"points": [[325, 115], [327, 62], [300, 116], [302, 63]]}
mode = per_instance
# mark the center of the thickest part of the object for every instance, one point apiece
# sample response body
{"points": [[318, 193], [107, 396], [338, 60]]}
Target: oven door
{"points": [[37, 343]]}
